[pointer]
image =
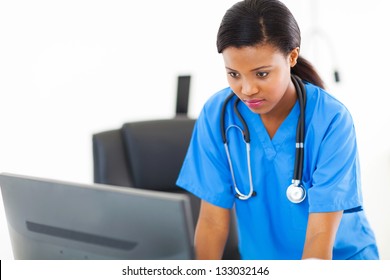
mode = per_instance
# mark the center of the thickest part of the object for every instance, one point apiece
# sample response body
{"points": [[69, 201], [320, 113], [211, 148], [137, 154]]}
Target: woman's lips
{"points": [[254, 103]]}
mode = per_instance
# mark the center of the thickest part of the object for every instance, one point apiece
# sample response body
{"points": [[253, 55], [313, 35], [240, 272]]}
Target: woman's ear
{"points": [[293, 57]]}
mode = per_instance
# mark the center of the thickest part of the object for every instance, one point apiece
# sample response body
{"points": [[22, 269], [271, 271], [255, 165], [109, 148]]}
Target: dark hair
{"points": [[253, 22]]}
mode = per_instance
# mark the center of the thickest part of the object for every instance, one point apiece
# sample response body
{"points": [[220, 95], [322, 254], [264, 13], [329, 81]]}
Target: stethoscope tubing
{"points": [[300, 133], [299, 149]]}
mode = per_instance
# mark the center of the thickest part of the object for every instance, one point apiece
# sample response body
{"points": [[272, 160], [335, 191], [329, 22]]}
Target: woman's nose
{"points": [[249, 87]]}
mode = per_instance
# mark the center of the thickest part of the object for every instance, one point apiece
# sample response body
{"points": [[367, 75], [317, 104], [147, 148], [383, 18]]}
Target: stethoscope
{"points": [[296, 193]]}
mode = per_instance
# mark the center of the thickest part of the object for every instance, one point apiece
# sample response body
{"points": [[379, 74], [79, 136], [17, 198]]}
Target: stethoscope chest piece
{"points": [[296, 193]]}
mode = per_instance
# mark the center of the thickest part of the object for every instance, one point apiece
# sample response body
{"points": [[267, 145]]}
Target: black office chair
{"points": [[149, 155], [110, 165]]}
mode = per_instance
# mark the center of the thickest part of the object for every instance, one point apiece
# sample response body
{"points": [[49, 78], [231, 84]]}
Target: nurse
{"points": [[260, 44]]}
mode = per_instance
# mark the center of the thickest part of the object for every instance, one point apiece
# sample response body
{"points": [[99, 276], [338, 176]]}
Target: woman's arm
{"points": [[320, 235], [211, 231]]}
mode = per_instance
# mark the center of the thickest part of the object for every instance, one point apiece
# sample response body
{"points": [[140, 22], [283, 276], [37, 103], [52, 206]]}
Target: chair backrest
{"points": [[109, 159], [149, 155], [155, 151]]}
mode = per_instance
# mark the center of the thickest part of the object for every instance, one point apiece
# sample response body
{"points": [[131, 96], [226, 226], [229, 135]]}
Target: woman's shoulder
{"points": [[323, 103], [218, 97], [214, 104]]}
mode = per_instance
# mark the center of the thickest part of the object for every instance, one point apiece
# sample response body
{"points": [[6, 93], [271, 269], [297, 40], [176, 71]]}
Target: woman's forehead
{"points": [[252, 56]]}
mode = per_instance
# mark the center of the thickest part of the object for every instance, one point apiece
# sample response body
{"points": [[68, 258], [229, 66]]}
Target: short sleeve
{"points": [[336, 178], [205, 171]]}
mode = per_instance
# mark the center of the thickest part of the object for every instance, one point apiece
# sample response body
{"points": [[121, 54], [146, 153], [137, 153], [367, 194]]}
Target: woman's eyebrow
{"points": [[261, 68], [255, 69]]}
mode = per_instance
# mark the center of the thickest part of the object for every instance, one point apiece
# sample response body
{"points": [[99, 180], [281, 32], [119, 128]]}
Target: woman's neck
{"points": [[273, 119]]}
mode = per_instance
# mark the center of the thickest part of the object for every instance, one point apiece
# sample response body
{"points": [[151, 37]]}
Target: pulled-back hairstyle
{"points": [[257, 22]]}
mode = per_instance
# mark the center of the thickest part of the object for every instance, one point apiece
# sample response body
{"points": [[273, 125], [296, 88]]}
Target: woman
{"points": [[260, 44]]}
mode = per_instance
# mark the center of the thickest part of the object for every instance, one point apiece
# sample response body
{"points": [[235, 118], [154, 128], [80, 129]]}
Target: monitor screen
{"points": [[50, 219]]}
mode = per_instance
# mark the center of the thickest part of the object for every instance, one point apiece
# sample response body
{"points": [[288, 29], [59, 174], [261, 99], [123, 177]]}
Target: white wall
{"points": [[71, 68]]}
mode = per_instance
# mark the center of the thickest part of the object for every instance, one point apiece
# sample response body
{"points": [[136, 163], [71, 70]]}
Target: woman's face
{"points": [[260, 77]]}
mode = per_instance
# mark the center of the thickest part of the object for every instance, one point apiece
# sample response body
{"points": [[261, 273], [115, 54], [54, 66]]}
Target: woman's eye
{"points": [[233, 74], [262, 74]]}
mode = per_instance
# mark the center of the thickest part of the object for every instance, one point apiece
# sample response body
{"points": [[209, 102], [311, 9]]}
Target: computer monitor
{"points": [[50, 219]]}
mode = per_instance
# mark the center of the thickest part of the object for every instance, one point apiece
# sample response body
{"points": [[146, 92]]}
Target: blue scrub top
{"points": [[269, 225]]}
